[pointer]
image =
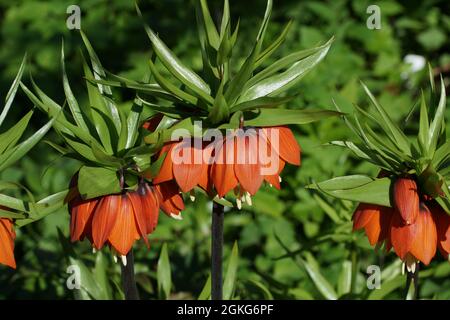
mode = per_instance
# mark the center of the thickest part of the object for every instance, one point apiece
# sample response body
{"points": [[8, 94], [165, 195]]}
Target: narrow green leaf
{"points": [[206, 291], [12, 91], [277, 117], [398, 136], [436, 125], [230, 276], [14, 154], [71, 100], [163, 273], [9, 138], [278, 83]]}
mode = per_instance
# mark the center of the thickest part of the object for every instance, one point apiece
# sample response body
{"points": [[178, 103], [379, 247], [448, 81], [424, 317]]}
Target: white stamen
{"points": [[270, 185], [411, 263], [192, 195], [124, 260], [176, 216], [279, 179], [248, 198], [115, 258], [403, 269], [239, 203], [93, 250]]}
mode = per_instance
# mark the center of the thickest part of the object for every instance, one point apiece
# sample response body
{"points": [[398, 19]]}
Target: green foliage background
{"points": [[293, 244]]}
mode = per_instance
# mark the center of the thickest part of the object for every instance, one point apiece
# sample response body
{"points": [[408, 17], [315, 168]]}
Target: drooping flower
{"points": [[413, 240], [241, 161], [185, 162], [170, 199], [117, 220], [247, 158], [7, 237]]}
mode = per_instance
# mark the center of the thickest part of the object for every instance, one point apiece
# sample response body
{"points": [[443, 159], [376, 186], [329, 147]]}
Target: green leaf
{"points": [[424, 125], [282, 64], [263, 102], [177, 68], [44, 207], [9, 138], [171, 88], [397, 135], [277, 117], [387, 288], [12, 91], [99, 73], [101, 275], [219, 112], [436, 125], [95, 181], [278, 83], [274, 46], [163, 273], [230, 276], [13, 203], [206, 291], [324, 287], [357, 188], [211, 31], [345, 278], [70, 98], [14, 154], [99, 112]]}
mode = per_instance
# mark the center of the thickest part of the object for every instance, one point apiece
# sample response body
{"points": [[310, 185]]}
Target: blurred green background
{"points": [[293, 244]]}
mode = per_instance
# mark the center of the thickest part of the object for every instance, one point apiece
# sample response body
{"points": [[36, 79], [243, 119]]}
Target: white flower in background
{"points": [[415, 62]]}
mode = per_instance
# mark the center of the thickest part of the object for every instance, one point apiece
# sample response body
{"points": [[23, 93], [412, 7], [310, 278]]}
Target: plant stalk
{"points": [[128, 282], [216, 251]]}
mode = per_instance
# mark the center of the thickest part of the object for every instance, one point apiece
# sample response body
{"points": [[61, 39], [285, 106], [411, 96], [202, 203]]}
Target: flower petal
{"points": [[286, 145], [247, 168], [104, 219], [125, 230], [406, 198], [166, 171], [425, 241], [80, 217], [7, 237], [188, 167], [402, 235], [442, 220], [222, 171]]}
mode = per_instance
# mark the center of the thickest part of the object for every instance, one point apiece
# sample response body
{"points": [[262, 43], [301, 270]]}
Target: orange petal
{"points": [[442, 220], [150, 207], [375, 220], [165, 173], [222, 171], [170, 199], [402, 235], [286, 146], [125, 231], [425, 241], [136, 203], [188, 172], [406, 199], [80, 216], [247, 168], [104, 219], [7, 237]]}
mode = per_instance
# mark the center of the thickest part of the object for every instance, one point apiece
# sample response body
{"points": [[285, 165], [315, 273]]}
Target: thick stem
{"points": [[216, 251], [128, 281]]}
